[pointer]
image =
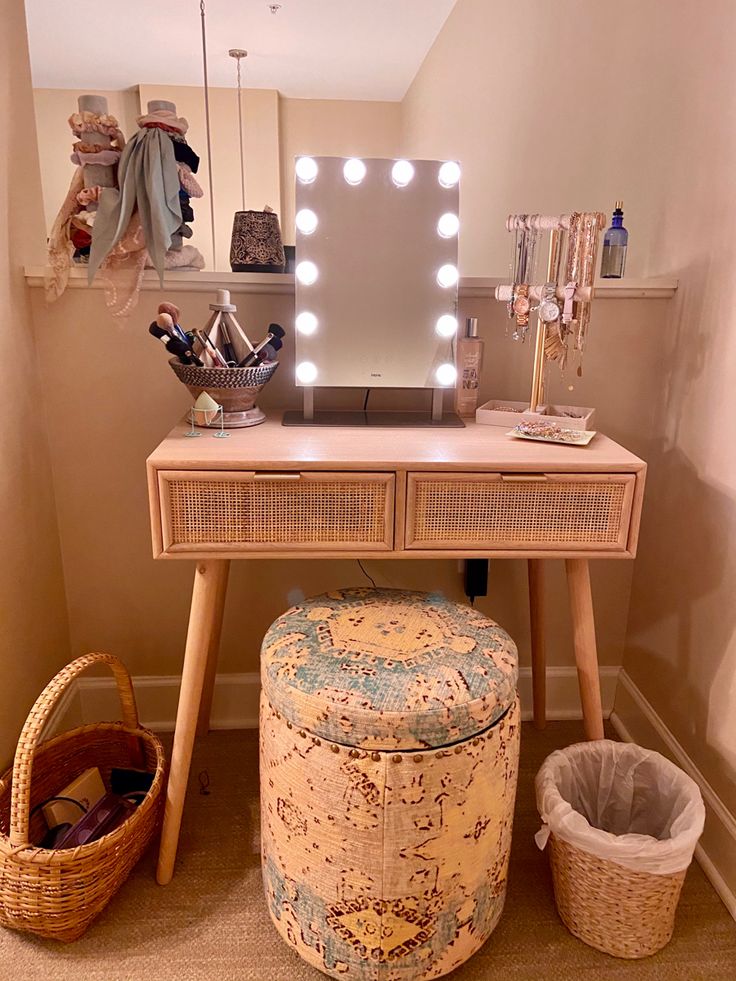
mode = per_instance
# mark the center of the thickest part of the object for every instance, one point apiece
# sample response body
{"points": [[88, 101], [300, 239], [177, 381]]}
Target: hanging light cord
{"points": [[240, 131], [207, 122]]}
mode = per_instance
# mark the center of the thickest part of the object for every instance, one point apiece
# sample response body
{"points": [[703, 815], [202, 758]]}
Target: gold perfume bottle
{"points": [[469, 367]]}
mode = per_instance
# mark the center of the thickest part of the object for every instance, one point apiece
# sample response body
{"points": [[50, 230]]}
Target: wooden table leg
{"points": [[586, 655], [208, 579], [208, 688], [539, 657]]}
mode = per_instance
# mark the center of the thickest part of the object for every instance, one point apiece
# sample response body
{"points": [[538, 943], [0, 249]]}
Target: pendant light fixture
{"points": [[256, 244]]}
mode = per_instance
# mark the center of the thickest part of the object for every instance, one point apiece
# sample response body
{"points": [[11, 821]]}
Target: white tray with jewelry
{"points": [[547, 432]]}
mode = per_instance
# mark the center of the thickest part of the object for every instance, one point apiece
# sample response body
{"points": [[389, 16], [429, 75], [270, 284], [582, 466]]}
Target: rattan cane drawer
{"points": [[486, 511], [223, 511]]}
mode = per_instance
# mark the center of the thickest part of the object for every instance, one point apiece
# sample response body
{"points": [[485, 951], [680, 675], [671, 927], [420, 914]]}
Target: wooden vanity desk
{"points": [[275, 492]]}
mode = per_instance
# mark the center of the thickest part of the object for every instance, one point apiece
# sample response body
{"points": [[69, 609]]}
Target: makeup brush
{"points": [[173, 311], [275, 332], [174, 345]]}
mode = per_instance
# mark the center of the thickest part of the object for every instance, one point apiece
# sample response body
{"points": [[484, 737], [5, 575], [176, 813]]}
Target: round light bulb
{"points": [[446, 275], [306, 372], [449, 174], [446, 374], [446, 326], [448, 225], [306, 169], [354, 170], [306, 273], [402, 172], [306, 221], [306, 323]]}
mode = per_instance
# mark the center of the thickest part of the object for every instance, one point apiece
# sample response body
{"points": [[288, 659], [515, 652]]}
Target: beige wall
{"points": [[330, 127], [33, 624], [112, 410], [661, 373], [549, 107], [681, 643], [649, 124]]}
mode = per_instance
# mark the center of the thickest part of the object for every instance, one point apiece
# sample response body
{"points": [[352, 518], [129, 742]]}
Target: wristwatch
{"points": [[549, 309], [521, 304]]}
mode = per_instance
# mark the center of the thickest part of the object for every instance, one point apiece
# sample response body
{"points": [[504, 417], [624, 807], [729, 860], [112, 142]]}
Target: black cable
{"points": [[365, 400], [69, 800], [367, 574]]}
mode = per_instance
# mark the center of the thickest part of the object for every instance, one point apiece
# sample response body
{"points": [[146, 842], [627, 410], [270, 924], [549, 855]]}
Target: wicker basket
{"points": [[57, 893], [610, 907]]}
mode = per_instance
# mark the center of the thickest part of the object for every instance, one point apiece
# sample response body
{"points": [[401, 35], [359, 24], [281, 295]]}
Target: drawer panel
{"points": [[519, 511], [284, 512]]}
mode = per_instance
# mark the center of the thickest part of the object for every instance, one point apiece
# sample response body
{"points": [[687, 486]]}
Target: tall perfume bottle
{"points": [[469, 365], [615, 243]]}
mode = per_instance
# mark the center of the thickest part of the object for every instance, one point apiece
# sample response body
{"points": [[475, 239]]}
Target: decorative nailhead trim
{"points": [[302, 734], [335, 749], [458, 749], [289, 725], [376, 757], [418, 758], [354, 753], [396, 759]]}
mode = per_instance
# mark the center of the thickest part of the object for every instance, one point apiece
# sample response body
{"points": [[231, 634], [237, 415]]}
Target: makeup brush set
{"points": [[221, 360]]}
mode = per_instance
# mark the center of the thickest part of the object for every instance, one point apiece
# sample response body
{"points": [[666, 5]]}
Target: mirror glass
{"points": [[376, 272]]}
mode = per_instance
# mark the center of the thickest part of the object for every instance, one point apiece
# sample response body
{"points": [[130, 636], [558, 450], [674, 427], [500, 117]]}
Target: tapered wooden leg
{"points": [[208, 688], [586, 655], [539, 657], [208, 579]]}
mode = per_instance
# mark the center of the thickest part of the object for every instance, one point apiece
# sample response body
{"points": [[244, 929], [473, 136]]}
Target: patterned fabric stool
{"points": [[389, 750]]}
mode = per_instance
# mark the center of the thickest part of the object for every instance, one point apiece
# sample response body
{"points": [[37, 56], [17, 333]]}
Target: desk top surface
{"points": [[272, 446]]}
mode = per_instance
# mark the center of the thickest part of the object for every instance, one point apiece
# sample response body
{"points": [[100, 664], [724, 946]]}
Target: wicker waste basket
{"points": [[622, 824], [56, 893]]}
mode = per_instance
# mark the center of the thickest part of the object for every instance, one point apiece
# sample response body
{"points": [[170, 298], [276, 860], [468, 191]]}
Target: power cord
{"points": [[368, 576]]}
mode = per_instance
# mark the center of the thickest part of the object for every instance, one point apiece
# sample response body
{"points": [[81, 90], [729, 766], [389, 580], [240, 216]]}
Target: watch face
{"points": [[549, 311], [521, 305]]}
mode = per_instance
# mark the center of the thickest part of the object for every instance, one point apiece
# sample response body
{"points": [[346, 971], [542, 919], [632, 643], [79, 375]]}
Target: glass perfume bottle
{"points": [[469, 366], [615, 243]]}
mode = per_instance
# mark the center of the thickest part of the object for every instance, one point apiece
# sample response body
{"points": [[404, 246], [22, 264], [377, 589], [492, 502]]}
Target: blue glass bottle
{"points": [[615, 243]]}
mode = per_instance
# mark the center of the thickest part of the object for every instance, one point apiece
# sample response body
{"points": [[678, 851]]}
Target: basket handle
{"points": [[20, 798]]}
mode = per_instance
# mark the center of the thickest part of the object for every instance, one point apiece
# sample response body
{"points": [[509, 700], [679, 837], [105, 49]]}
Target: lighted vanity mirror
{"points": [[376, 272]]}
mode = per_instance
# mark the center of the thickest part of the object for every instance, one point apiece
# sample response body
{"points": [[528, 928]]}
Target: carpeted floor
{"points": [[211, 924]]}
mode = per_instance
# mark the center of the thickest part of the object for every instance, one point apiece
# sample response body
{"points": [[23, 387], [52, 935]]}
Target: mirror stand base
{"points": [[378, 418]]}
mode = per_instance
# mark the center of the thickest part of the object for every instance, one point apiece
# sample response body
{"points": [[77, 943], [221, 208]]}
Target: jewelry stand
{"points": [[574, 297], [437, 418]]}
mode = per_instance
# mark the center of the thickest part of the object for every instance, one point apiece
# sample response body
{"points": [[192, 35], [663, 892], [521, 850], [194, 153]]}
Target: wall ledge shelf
{"points": [[283, 283]]}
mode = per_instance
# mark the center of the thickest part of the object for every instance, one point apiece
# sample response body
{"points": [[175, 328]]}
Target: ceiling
{"points": [[310, 49]]}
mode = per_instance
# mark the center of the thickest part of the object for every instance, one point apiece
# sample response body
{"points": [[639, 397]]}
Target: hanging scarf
{"points": [[61, 248], [148, 182]]}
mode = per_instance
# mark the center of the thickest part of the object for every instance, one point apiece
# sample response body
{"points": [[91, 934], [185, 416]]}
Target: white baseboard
{"points": [[635, 720], [235, 704]]}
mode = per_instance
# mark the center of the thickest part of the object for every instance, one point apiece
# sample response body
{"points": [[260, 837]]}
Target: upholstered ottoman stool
{"points": [[389, 749]]}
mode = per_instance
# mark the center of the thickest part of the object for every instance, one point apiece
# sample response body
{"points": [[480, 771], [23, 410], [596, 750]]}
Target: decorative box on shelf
{"points": [[503, 412], [567, 416]]}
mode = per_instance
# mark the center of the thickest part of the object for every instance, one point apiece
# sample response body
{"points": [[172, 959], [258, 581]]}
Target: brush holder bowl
{"points": [[235, 389]]}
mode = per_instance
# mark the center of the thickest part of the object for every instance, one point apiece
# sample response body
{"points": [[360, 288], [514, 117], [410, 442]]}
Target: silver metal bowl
{"points": [[235, 389]]}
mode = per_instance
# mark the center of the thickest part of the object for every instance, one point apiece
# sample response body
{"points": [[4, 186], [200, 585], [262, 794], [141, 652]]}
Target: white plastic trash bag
{"points": [[622, 803]]}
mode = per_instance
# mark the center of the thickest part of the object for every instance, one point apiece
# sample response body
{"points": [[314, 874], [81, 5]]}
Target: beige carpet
{"points": [[211, 922]]}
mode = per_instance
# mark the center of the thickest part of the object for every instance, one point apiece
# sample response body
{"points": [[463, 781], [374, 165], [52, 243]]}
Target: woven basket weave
{"points": [[56, 893], [612, 908]]}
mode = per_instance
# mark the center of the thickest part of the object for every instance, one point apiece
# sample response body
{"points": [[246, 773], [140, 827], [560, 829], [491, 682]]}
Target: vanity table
{"points": [[273, 492]]}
